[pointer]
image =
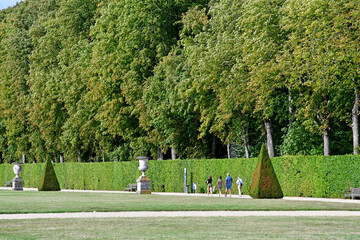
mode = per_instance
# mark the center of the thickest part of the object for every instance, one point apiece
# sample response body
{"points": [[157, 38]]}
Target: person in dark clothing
{"points": [[209, 185]]}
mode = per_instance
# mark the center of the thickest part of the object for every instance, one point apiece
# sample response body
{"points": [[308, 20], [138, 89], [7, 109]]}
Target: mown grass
{"points": [[45, 202], [184, 228]]}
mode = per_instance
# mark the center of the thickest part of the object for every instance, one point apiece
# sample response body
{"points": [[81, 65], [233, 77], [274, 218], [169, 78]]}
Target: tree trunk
{"points": [[23, 157], [290, 108], [355, 123], [213, 147], [247, 151], [269, 138], [228, 147], [78, 155], [246, 141], [326, 138], [160, 154], [173, 153], [61, 158]]}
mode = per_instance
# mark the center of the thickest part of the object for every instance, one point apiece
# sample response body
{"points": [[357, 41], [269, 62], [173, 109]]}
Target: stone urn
{"points": [[143, 164], [17, 182], [143, 182]]}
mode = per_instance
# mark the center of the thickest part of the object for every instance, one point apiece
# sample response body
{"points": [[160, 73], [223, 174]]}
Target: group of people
{"points": [[220, 184]]}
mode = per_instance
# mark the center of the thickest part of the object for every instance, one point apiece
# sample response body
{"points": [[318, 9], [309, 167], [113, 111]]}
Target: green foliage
{"points": [[314, 56], [48, 180], [114, 79], [265, 183], [130, 38], [170, 118], [298, 141], [16, 47], [212, 46]]}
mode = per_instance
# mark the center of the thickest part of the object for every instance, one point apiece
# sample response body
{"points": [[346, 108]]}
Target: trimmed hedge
{"points": [[265, 183], [308, 176], [48, 180]]}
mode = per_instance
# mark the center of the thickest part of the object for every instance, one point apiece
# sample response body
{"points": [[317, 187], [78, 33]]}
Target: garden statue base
{"points": [[17, 184], [143, 185]]}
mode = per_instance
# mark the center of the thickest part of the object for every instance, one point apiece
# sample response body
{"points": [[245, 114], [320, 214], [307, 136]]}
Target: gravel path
{"points": [[183, 214]]}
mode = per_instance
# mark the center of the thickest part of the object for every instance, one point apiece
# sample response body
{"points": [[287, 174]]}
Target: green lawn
{"points": [[183, 228], [168, 228], [44, 202]]}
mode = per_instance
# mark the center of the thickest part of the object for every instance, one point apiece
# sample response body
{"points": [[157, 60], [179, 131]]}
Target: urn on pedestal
{"points": [[143, 182], [17, 182]]}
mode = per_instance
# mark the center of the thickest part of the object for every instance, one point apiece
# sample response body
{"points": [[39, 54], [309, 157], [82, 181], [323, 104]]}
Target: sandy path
{"points": [[184, 214]]}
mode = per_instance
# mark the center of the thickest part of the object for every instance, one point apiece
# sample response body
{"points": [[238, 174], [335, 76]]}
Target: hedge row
{"points": [[310, 176]]}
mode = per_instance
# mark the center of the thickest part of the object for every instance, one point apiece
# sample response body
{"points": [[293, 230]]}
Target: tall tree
{"points": [[130, 38], [262, 43], [313, 63], [170, 118], [78, 136], [47, 111], [16, 44], [213, 48], [345, 33], [58, 74]]}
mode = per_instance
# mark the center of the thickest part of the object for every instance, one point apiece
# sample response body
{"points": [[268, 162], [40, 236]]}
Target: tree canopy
{"points": [[106, 80]]}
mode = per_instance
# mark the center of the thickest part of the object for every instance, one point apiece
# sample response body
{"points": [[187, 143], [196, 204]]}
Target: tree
{"points": [[213, 48], [78, 136], [345, 32], [312, 58], [263, 39], [170, 119], [130, 38], [299, 141], [16, 44], [58, 74], [234, 65]]}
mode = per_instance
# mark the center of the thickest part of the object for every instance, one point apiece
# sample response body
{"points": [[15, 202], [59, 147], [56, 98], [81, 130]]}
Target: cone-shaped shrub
{"points": [[265, 183], [49, 181]]}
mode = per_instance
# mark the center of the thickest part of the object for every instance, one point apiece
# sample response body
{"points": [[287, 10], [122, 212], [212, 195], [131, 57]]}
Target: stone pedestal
{"points": [[17, 182], [143, 182], [143, 185]]}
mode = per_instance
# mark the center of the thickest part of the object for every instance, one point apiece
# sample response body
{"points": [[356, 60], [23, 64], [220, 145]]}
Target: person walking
{"points": [[209, 185], [239, 183], [228, 183], [220, 184]]}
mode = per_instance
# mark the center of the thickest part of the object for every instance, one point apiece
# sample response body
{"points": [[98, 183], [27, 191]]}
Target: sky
{"points": [[7, 3]]}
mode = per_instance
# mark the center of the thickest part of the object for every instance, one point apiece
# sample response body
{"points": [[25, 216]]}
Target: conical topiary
{"points": [[265, 183], [48, 181]]}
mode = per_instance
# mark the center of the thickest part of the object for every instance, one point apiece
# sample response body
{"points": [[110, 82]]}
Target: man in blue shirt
{"points": [[228, 183]]}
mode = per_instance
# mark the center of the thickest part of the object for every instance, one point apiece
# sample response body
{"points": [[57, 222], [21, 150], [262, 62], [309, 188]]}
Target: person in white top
{"points": [[239, 183]]}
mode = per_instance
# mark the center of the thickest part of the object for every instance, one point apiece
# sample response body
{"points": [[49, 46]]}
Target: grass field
{"points": [[45, 202], [183, 228], [169, 228]]}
